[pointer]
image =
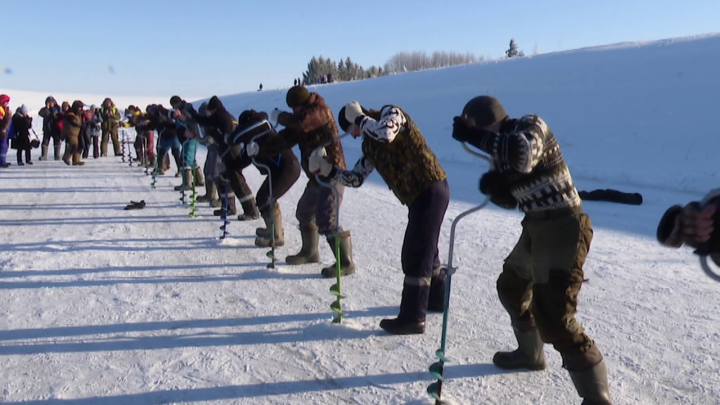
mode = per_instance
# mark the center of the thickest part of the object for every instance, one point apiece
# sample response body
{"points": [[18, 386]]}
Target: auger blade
{"points": [[441, 355]]}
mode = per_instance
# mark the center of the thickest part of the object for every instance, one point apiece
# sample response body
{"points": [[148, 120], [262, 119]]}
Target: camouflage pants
{"points": [[541, 280], [317, 205]]}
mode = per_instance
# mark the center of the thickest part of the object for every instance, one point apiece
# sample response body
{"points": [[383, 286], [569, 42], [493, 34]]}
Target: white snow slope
{"points": [[105, 306]]}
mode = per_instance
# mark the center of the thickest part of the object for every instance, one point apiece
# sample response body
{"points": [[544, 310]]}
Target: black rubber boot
{"points": [[396, 326], [309, 252]]}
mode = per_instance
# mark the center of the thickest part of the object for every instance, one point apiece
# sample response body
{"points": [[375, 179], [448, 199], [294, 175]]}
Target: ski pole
{"points": [[704, 250], [437, 369]]}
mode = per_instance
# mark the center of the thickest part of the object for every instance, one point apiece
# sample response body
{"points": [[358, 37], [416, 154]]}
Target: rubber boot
{"points": [[277, 225], [309, 252], [529, 354], [592, 385], [43, 156], [210, 192], [347, 266], [250, 210], [186, 180], [199, 179], [231, 208]]}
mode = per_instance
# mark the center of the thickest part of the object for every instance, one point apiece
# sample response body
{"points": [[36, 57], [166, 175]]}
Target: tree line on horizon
{"points": [[326, 70]]}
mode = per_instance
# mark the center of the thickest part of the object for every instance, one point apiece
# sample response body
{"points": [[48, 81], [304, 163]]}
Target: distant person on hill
{"points": [[394, 146], [542, 276]]}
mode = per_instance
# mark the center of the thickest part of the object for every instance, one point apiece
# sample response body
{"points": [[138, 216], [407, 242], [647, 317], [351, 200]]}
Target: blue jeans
{"points": [[189, 148]]}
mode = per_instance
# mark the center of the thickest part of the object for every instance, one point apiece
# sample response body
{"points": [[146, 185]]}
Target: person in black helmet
{"points": [[543, 274]]}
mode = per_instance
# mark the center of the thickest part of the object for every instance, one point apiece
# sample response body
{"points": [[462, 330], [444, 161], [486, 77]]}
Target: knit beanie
{"points": [[297, 96], [24, 109], [484, 111]]}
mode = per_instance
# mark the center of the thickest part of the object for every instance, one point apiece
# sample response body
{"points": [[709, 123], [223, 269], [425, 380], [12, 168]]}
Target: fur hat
{"points": [[484, 111], [297, 96]]}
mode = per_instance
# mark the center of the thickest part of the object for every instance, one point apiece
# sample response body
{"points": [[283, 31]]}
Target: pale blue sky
{"points": [[200, 48]]}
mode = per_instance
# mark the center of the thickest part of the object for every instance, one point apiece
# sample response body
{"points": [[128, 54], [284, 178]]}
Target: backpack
{"points": [[11, 132]]}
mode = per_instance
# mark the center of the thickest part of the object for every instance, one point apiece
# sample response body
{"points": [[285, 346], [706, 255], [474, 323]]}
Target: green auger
{"points": [[193, 194]]}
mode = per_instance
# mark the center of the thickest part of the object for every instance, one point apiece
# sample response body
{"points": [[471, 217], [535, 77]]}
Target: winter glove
{"points": [[252, 149], [354, 112], [274, 115], [493, 185], [318, 163], [463, 129]]}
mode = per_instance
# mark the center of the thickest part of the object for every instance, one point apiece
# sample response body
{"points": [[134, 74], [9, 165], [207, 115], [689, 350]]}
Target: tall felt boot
{"points": [[151, 162], [186, 180], [277, 225], [250, 210], [58, 155], [347, 266], [592, 385], [529, 354], [231, 207], [43, 156], [199, 179], [210, 192], [309, 252]]}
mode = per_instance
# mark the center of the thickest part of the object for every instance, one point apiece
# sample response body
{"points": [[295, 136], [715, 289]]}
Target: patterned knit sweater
{"points": [[527, 152], [394, 146]]}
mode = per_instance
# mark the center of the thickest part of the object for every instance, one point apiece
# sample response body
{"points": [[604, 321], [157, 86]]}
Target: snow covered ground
{"points": [[105, 306]]}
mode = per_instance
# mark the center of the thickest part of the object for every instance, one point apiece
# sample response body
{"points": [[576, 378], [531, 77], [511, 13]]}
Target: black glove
{"points": [[494, 185], [463, 129]]}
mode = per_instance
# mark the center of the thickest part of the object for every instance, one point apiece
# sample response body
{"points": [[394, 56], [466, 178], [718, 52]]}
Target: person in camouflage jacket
{"points": [[394, 146], [310, 126]]}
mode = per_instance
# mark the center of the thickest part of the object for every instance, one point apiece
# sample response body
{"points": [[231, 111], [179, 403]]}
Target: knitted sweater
{"points": [[527, 152]]}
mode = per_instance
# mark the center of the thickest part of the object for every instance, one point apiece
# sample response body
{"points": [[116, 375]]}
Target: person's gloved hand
{"points": [[463, 129], [252, 149], [318, 163]]}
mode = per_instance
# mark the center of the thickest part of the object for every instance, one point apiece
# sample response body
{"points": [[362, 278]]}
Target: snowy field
{"points": [[105, 306]]}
